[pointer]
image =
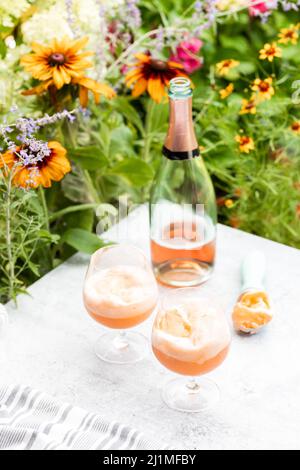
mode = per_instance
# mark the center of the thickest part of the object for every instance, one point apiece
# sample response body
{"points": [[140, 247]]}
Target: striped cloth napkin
{"points": [[30, 419]]}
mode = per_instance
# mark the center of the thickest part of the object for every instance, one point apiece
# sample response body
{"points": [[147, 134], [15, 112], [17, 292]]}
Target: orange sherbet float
{"points": [[121, 296], [191, 338], [252, 311]]}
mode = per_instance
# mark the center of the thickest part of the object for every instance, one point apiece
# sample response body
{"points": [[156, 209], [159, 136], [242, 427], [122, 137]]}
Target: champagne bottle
{"points": [[183, 213]]}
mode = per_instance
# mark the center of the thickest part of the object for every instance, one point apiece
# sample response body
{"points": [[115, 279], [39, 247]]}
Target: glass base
{"points": [[121, 348], [192, 396], [183, 273]]}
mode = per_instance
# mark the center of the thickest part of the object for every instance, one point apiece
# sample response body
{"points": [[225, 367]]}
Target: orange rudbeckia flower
{"points": [[295, 127], [263, 88], [52, 167], [246, 143], [152, 75], [248, 106], [223, 67], [287, 35], [270, 51], [61, 64], [225, 92]]}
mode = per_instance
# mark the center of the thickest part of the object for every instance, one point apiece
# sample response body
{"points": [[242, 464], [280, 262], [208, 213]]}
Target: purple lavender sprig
{"points": [[288, 6], [206, 13], [33, 150], [132, 14]]}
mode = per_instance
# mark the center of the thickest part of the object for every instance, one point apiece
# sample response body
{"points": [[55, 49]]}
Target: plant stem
{"points": [[94, 196], [45, 208], [148, 137], [140, 40], [68, 210], [11, 264], [90, 185]]}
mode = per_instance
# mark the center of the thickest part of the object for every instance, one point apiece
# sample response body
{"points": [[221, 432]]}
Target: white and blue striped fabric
{"points": [[32, 420]]}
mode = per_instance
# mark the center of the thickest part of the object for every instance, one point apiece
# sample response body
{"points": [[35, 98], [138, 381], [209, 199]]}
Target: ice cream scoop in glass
{"points": [[191, 337], [120, 292]]}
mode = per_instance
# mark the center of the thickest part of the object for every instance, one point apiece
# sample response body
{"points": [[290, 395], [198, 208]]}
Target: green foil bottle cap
{"points": [[180, 88]]}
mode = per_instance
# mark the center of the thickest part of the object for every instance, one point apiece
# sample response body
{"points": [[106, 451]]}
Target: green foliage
{"points": [[82, 240], [24, 255], [116, 151]]}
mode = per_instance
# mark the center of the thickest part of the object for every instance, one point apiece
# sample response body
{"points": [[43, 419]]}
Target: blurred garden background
{"points": [[84, 114]]}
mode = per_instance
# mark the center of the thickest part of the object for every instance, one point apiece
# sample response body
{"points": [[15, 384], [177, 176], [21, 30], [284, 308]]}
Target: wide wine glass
{"points": [[120, 291], [190, 337]]}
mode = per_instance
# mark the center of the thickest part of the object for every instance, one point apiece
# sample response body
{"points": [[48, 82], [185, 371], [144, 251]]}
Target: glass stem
{"points": [[120, 341], [192, 386]]}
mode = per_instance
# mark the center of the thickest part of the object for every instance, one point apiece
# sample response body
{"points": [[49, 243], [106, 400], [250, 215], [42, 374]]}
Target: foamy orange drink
{"points": [[120, 296], [192, 337]]}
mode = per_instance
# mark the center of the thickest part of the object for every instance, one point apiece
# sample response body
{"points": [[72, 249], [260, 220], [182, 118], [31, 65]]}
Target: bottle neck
{"points": [[181, 142]]}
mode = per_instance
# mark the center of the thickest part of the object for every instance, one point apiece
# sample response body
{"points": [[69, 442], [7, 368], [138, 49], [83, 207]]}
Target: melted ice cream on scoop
{"points": [[252, 311]]}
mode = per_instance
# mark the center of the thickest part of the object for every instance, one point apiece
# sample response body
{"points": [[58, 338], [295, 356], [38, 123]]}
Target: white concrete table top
{"points": [[49, 346]]}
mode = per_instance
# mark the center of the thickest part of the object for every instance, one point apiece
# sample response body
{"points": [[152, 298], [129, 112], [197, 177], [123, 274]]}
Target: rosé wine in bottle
{"points": [[183, 213]]}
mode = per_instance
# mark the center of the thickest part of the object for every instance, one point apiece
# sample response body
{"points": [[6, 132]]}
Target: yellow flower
{"points": [[287, 35], [248, 106], [224, 66], [152, 75], [295, 127], [97, 88], [270, 51], [263, 88], [245, 143], [229, 203], [52, 167], [61, 64], [226, 91]]}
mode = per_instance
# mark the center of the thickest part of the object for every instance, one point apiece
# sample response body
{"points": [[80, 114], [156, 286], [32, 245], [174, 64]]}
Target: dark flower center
{"points": [[264, 87], [56, 59], [271, 51], [158, 64]]}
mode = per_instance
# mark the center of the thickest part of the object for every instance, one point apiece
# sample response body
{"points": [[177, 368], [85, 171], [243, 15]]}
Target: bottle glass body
{"points": [[183, 212]]}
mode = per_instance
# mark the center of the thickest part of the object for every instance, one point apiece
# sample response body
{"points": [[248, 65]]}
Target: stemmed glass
{"points": [[120, 292], [190, 337]]}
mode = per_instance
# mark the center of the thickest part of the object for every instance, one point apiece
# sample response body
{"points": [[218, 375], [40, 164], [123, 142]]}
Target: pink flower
{"points": [[259, 8], [186, 55]]}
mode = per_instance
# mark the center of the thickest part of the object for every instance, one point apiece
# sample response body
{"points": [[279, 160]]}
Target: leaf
{"points": [[104, 138], [83, 219], [73, 186], [3, 49], [125, 108], [82, 240], [158, 114], [51, 237], [121, 141], [238, 43], [133, 170], [246, 67], [89, 158]]}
